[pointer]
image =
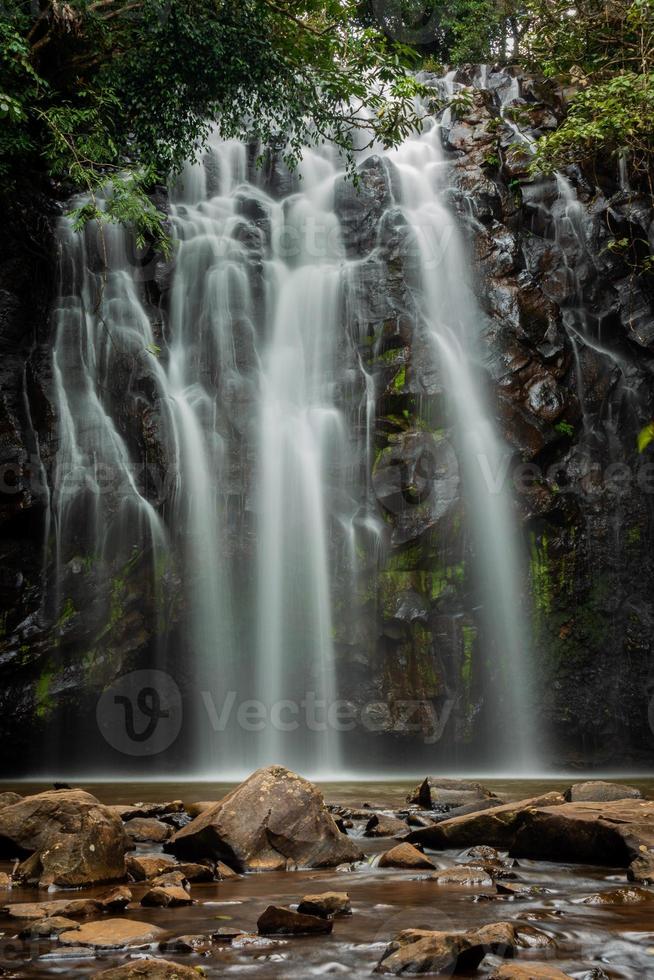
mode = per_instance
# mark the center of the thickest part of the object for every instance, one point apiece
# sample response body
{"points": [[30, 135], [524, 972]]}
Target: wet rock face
{"points": [[564, 347], [567, 343]]}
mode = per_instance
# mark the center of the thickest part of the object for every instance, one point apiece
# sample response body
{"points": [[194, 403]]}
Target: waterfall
{"points": [[447, 303], [255, 367]]}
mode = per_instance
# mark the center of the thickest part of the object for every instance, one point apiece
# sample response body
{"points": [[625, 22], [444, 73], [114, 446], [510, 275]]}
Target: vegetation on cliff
{"points": [[123, 91]]}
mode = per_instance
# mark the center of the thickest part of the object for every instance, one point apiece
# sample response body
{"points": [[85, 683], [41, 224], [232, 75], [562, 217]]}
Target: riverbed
{"points": [[618, 940]]}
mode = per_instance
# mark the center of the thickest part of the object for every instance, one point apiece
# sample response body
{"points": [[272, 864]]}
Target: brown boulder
{"points": [[150, 969], [613, 833], [166, 896], [274, 820], [405, 856], [196, 872], [223, 871], [112, 934], [147, 829], [79, 841], [504, 938], [48, 928], [436, 791], [140, 867], [278, 921], [496, 826], [382, 825], [598, 791], [326, 904], [417, 951]]}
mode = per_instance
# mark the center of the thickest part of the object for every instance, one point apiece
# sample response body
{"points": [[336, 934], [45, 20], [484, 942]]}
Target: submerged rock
{"points": [[149, 969], [114, 901], [48, 928], [619, 896], [76, 840], [274, 820], [112, 934], [278, 921], [528, 971], [405, 856]]}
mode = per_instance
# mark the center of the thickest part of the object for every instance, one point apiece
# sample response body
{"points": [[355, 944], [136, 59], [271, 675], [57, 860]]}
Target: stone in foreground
{"points": [[278, 921], [77, 840], [326, 904], [405, 856], [112, 934], [275, 820], [417, 951], [149, 969], [420, 951]]}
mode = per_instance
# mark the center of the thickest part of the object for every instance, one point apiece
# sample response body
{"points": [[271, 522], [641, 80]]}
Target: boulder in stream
{"points": [[74, 839], [385, 825], [326, 904], [436, 791], [405, 856], [112, 934], [278, 921], [148, 830], [496, 827], [274, 820], [417, 951], [598, 791]]}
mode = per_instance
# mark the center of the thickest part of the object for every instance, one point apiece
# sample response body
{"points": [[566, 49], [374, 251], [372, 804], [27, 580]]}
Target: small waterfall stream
{"points": [[266, 412]]}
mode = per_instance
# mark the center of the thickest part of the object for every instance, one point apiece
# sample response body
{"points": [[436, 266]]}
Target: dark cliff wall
{"points": [[567, 354]]}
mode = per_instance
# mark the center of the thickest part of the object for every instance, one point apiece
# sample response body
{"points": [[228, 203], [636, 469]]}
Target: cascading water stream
{"points": [[266, 410], [448, 306]]}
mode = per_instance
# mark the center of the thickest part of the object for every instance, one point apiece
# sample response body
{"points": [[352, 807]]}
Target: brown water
{"points": [[619, 940]]}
